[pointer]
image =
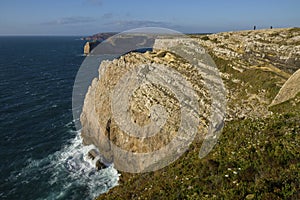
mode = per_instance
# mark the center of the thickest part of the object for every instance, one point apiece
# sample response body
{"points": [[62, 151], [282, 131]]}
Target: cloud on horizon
{"points": [[108, 15], [70, 20], [139, 23]]}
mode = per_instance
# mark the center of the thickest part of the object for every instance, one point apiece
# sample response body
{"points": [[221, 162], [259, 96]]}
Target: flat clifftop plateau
{"points": [[256, 155], [279, 48]]}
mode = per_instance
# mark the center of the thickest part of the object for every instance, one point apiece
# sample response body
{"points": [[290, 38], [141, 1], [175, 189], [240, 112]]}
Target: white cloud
{"points": [[139, 23]]}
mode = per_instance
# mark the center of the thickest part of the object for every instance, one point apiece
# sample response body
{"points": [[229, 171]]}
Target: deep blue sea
{"points": [[41, 155]]}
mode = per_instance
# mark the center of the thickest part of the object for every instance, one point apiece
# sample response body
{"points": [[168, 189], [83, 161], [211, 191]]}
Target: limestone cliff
{"points": [[89, 46], [253, 65]]}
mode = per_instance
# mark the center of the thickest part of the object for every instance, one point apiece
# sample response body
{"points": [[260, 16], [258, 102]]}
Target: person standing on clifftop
{"points": [[254, 28]]}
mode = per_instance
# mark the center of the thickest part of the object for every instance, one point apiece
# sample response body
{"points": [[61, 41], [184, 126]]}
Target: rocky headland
{"points": [[98, 37], [256, 156]]}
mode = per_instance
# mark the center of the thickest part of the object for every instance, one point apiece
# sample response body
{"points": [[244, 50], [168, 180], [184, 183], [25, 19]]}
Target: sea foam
{"points": [[68, 170]]}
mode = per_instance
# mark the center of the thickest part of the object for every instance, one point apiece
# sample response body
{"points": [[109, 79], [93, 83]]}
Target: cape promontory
{"points": [[255, 67]]}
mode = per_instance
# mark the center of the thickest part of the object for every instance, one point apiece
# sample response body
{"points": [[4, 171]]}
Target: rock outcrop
{"points": [[96, 157]]}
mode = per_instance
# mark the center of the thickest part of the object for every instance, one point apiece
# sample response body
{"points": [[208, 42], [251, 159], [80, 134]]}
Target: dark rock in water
{"points": [[93, 154], [100, 165]]}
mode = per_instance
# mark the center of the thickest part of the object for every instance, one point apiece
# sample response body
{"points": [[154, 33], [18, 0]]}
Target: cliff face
{"points": [[253, 65], [99, 125]]}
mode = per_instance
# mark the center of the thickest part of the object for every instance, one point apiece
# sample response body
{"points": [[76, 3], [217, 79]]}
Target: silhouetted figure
{"points": [[254, 28], [271, 27]]}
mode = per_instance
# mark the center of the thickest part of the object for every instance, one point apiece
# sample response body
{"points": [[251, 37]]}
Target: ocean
{"points": [[41, 153]]}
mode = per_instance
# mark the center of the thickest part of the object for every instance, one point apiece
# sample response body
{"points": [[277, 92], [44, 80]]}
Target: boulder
{"points": [[289, 90]]}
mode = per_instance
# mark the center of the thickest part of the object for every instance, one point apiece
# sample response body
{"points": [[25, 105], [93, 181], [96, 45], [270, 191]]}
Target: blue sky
{"points": [[85, 17]]}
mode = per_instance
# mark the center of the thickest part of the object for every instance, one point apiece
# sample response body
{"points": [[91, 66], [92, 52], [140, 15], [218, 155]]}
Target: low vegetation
{"points": [[254, 159]]}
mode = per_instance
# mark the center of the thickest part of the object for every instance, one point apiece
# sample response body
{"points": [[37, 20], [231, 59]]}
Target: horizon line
{"points": [[87, 35]]}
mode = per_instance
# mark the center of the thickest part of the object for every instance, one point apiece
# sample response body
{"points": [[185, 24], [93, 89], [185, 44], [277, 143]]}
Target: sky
{"points": [[86, 17]]}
